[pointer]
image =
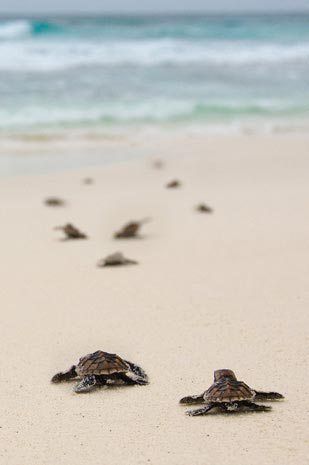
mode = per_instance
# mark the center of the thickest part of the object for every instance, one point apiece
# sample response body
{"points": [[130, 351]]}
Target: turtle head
{"points": [[224, 373]]}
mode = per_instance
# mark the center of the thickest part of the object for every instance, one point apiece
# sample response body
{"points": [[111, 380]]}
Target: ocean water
{"points": [[109, 71]]}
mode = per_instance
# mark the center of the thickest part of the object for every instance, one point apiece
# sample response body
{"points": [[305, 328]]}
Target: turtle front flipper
{"points": [[259, 395], [65, 375], [192, 400], [201, 411], [88, 383]]}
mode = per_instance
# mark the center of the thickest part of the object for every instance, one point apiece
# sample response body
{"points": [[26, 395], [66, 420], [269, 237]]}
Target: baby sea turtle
{"points": [[130, 229], [71, 231], [158, 164], [100, 369], [229, 395], [88, 181], [173, 184], [116, 259], [203, 208], [54, 202]]}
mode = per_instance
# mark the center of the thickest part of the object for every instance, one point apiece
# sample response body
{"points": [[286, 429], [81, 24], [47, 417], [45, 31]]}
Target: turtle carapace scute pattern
{"points": [[102, 369], [71, 232], [227, 394]]}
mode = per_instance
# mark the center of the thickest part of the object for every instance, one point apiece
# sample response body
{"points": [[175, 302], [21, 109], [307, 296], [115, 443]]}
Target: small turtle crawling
{"points": [[173, 184], [203, 208], [229, 395], [100, 369], [88, 181], [54, 202], [71, 231], [158, 164], [116, 259], [130, 229]]}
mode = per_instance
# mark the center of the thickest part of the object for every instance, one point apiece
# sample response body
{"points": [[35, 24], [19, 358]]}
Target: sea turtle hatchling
{"points": [[229, 395], [174, 184], [88, 181], [116, 259], [130, 230], [71, 231], [54, 202], [204, 208], [101, 369]]}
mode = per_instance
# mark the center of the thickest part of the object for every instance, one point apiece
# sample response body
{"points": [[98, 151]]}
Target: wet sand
{"points": [[221, 290]]}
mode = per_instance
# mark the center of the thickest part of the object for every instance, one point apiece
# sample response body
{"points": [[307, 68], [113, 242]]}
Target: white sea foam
{"points": [[14, 29], [46, 56]]}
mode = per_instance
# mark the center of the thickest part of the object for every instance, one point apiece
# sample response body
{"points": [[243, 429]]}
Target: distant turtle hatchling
{"points": [[88, 181], [227, 394], [116, 259], [102, 369], [203, 208], [158, 164], [54, 202], [173, 184], [130, 230], [71, 231]]}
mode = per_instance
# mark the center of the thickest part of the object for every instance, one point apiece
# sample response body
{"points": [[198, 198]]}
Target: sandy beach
{"points": [[224, 290]]}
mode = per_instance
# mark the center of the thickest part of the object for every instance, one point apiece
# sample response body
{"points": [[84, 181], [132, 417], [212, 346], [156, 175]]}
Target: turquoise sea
{"points": [[71, 72]]}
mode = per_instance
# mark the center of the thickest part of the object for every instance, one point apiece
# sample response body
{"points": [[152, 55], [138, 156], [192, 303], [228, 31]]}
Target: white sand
{"points": [[228, 290]]}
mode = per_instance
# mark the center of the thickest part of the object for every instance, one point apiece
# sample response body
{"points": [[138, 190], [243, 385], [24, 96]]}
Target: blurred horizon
{"points": [[152, 7], [155, 13]]}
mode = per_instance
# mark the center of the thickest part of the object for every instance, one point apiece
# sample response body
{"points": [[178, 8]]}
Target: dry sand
{"points": [[227, 290]]}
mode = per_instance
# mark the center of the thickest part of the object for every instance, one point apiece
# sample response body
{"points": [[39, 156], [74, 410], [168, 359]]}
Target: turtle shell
{"points": [[228, 390], [130, 229], [101, 363]]}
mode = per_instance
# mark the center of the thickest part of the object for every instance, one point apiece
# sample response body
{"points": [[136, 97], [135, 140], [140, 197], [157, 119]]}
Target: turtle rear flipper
{"points": [[260, 395], [201, 411], [254, 407]]}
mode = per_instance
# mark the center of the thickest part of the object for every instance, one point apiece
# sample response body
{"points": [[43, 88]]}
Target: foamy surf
{"points": [[74, 72], [15, 29]]}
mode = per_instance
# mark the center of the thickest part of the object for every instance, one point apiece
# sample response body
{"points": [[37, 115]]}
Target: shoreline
{"points": [[49, 153]]}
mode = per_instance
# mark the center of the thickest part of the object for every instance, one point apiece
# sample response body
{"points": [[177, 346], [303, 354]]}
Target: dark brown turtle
{"points": [[54, 202], [130, 229], [71, 231], [229, 395], [203, 208], [173, 184], [116, 259], [101, 369]]}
